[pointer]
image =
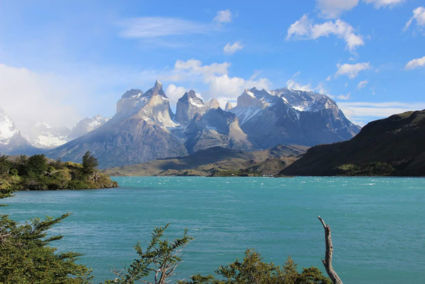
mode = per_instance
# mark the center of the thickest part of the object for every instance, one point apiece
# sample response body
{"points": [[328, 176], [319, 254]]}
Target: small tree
{"points": [[160, 258], [5, 165], [89, 163], [37, 164], [26, 257], [253, 270]]}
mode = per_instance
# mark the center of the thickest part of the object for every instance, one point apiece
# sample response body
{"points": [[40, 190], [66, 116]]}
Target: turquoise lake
{"points": [[378, 224]]}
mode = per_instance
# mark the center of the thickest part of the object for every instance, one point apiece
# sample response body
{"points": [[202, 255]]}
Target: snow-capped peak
{"points": [[305, 100], [87, 125], [7, 128]]}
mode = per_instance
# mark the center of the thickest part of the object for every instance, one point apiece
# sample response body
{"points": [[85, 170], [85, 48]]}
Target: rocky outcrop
{"points": [[216, 128], [188, 106]]}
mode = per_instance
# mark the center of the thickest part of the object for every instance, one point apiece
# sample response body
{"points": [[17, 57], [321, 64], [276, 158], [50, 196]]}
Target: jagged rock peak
{"points": [[254, 98], [156, 90], [192, 95], [158, 85], [188, 106], [213, 103], [133, 93], [229, 106], [134, 99]]}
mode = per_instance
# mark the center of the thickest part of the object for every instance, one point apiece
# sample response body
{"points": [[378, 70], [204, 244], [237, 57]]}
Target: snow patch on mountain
{"points": [[87, 125], [7, 128]]}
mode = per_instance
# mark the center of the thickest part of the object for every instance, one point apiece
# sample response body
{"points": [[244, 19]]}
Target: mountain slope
{"points": [[291, 117], [140, 131], [391, 146], [218, 161]]}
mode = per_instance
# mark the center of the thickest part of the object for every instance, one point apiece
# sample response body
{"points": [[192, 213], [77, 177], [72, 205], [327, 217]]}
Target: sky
{"points": [[61, 61]]}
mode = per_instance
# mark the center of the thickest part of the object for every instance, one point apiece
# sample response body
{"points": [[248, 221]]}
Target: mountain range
{"points": [[11, 140], [42, 135], [144, 128]]}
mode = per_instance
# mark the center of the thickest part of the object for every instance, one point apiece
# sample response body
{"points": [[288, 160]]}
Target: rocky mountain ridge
{"points": [[42, 135], [144, 128]]}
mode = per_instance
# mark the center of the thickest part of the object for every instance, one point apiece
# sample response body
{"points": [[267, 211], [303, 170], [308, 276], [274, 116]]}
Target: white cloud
{"points": [[293, 85], [215, 76], [415, 63], [232, 87], [418, 16], [224, 16], [362, 84], [174, 93], [334, 8], [30, 97], [367, 111], [351, 70], [344, 97], [187, 69], [384, 3], [151, 27], [232, 48], [305, 29]]}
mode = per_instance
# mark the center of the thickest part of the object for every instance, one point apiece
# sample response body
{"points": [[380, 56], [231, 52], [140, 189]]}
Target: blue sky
{"points": [[64, 60]]}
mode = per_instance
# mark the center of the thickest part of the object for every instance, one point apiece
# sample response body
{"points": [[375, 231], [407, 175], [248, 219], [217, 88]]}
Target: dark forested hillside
{"points": [[394, 146]]}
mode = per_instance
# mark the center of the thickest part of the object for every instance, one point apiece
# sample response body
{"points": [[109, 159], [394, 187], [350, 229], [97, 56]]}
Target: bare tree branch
{"points": [[327, 262]]}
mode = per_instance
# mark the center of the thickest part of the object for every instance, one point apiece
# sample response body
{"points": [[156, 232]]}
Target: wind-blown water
{"points": [[378, 224]]}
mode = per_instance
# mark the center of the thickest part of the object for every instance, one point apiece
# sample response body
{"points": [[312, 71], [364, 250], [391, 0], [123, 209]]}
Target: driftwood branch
{"points": [[327, 262]]}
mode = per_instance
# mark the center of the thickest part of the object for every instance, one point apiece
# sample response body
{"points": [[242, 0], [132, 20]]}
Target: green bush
{"points": [[38, 173]]}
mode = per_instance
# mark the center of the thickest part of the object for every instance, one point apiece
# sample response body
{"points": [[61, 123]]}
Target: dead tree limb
{"points": [[327, 262]]}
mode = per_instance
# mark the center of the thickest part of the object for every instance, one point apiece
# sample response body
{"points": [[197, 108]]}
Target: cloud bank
{"points": [[29, 97]]}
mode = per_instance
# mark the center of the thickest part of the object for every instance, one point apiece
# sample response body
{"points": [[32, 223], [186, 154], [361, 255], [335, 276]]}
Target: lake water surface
{"points": [[378, 224]]}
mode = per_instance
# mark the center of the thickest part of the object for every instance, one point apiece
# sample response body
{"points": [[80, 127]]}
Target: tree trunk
{"points": [[327, 262]]}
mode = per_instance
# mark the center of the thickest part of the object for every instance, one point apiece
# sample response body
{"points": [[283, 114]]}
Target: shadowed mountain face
{"points": [[144, 127], [215, 128], [391, 146]]}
